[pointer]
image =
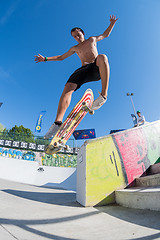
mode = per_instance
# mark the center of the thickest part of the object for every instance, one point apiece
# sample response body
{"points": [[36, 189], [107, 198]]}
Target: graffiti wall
{"points": [[18, 154], [114, 161], [57, 160]]}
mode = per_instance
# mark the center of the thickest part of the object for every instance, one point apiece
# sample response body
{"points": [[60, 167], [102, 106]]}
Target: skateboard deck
{"points": [[70, 124]]}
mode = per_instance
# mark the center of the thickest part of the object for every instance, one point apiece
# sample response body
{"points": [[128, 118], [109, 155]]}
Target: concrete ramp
{"points": [[30, 172], [113, 162]]}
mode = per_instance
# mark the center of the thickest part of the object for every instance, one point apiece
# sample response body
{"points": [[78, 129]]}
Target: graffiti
{"points": [[57, 160], [104, 171], [153, 142], [60, 160], [138, 149], [30, 156], [132, 147], [114, 161], [17, 154]]}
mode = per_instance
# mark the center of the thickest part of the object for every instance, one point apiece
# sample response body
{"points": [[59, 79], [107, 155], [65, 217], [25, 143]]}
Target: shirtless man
{"points": [[94, 67]]}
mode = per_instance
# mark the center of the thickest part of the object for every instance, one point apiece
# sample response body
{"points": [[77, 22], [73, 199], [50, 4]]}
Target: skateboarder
{"points": [[94, 67]]}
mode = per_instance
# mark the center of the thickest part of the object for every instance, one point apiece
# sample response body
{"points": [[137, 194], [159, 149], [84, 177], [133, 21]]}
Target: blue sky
{"points": [[43, 26]]}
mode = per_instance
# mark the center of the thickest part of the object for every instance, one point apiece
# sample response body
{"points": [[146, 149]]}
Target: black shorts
{"points": [[84, 74]]}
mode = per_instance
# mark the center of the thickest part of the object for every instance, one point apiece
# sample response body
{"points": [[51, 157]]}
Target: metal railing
{"points": [[31, 142]]}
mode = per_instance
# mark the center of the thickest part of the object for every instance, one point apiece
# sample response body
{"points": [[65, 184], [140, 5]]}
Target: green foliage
{"points": [[18, 134], [41, 140], [1, 127]]}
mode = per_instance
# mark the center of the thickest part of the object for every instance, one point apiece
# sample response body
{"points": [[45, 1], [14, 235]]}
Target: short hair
{"points": [[77, 28]]}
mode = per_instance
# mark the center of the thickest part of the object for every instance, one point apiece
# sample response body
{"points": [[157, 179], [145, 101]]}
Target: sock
{"points": [[59, 123], [104, 97]]}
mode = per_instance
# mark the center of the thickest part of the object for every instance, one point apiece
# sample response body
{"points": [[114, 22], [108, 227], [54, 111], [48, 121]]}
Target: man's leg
{"points": [[102, 63], [104, 70], [62, 107], [65, 100]]}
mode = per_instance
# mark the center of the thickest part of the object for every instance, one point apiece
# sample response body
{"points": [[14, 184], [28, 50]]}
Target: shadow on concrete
{"points": [[146, 218], [26, 224], [62, 199], [67, 184]]}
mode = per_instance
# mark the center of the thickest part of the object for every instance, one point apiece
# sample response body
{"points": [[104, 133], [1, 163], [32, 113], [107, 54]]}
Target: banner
{"points": [[84, 134], [32, 146], [134, 118], [39, 121]]}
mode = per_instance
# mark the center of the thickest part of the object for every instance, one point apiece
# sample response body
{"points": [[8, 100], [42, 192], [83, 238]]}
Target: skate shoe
{"points": [[52, 131], [98, 102]]}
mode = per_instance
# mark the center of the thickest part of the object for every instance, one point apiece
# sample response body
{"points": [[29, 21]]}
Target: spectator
{"points": [[140, 120]]}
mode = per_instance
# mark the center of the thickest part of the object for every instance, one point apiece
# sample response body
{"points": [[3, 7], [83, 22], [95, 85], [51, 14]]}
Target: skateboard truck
{"points": [[86, 108], [60, 145], [56, 146]]}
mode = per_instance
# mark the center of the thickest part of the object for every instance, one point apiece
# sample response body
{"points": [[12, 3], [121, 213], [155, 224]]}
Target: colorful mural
{"points": [[18, 154], [57, 160], [103, 166], [132, 147], [114, 161]]}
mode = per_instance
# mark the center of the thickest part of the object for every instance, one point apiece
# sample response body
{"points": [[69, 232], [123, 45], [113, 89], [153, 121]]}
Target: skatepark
{"points": [[104, 187], [90, 201]]}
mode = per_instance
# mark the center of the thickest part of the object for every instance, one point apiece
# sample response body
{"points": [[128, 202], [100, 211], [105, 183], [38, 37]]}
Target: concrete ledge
{"points": [[112, 162], [140, 198], [153, 180]]}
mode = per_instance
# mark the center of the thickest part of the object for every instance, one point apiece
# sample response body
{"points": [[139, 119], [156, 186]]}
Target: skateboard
{"points": [[70, 124]]}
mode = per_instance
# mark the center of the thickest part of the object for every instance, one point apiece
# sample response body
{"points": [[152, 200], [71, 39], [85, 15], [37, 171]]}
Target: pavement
{"points": [[29, 212]]}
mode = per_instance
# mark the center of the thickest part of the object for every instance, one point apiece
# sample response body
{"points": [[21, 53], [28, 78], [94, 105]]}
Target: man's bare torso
{"points": [[87, 51]]}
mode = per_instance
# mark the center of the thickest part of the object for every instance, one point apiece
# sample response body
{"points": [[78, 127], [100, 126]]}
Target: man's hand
{"points": [[106, 33], [113, 19], [39, 58]]}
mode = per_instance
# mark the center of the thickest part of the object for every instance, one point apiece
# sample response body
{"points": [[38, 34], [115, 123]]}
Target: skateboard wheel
{"points": [[56, 144]]}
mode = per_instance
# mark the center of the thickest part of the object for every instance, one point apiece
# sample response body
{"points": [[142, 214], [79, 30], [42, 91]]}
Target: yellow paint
{"points": [[101, 174]]}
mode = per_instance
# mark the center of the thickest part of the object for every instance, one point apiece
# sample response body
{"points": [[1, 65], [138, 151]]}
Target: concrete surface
{"points": [[145, 194], [139, 197], [152, 180], [30, 172], [36, 213]]}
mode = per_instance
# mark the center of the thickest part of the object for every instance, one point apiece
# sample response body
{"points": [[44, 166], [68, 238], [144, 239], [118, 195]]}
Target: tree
{"points": [[1, 127], [20, 133]]}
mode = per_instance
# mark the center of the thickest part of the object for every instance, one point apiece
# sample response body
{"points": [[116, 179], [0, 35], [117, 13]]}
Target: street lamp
{"points": [[130, 95]]}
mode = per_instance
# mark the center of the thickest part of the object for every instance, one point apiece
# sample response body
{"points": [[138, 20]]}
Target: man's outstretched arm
{"points": [[108, 30], [41, 58]]}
